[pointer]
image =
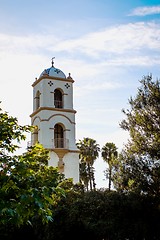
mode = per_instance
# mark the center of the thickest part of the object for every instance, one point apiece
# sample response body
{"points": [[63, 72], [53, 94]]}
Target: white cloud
{"points": [[130, 40], [128, 44], [22, 58], [25, 43], [143, 11], [94, 59]]}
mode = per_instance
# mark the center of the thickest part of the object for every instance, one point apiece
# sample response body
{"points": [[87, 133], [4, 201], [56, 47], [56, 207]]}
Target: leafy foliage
{"points": [[104, 215], [139, 166], [10, 130], [143, 120], [28, 187]]}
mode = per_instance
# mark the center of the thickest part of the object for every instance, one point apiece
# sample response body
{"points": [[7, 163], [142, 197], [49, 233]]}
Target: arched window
{"points": [[58, 136], [37, 99], [58, 99]]}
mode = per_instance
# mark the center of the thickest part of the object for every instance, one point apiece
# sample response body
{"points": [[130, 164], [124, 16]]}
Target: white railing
{"points": [[57, 143], [58, 104], [61, 143]]}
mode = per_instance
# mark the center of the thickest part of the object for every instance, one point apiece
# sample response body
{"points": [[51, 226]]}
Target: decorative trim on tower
{"points": [[67, 85], [50, 83]]}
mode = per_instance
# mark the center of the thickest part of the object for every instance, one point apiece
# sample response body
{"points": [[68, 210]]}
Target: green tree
{"points": [[105, 215], [109, 154], [28, 187], [84, 178], [89, 152], [11, 133], [140, 159]]}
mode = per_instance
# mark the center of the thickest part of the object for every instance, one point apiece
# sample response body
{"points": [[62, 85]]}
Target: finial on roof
{"points": [[53, 61], [69, 76]]}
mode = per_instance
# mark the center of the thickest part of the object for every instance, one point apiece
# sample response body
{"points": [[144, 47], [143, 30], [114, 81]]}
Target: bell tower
{"points": [[54, 118]]}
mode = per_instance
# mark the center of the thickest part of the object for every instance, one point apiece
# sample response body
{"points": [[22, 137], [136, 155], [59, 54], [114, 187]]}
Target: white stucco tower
{"points": [[54, 118]]}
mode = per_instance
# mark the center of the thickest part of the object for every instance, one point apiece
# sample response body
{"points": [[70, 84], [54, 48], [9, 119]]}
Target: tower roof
{"points": [[53, 72]]}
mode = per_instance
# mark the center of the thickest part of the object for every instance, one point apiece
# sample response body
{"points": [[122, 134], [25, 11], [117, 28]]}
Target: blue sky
{"points": [[107, 46]]}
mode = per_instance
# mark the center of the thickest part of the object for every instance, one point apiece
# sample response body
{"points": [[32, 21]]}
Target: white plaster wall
{"points": [[46, 124], [53, 159], [47, 93], [71, 169]]}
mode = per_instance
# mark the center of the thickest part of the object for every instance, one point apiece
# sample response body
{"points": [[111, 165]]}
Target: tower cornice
{"points": [[46, 77], [53, 109]]}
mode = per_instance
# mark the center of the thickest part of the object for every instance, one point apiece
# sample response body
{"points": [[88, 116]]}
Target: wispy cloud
{"points": [[128, 44], [116, 40], [143, 11], [122, 45]]}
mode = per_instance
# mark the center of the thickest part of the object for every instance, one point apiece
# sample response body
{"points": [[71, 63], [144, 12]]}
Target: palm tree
{"points": [[84, 179], [89, 152], [109, 153]]}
